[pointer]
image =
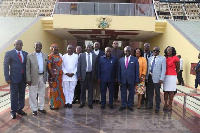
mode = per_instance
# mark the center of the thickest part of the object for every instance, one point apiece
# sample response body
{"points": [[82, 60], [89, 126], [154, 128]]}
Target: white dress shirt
{"points": [[128, 59], [96, 52], [20, 54], [181, 64], [69, 65], [87, 60], [40, 62]]}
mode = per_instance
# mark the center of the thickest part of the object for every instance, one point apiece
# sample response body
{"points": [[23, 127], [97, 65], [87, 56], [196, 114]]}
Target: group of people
{"points": [[70, 75]]}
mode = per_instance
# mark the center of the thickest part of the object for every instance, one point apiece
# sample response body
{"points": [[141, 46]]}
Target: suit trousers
{"points": [[68, 90], [37, 91], [96, 91], [151, 87], [77, 91], [17, 96], [87, 83], [131, 89], [180, 78], [104, 86], [116, 91]]}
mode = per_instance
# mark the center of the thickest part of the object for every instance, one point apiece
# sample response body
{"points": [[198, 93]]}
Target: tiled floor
{"points": [[85, 120]]}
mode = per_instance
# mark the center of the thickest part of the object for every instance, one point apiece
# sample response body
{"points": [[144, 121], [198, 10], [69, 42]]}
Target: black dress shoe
{"points": [[90, 106], [98, 102], [21, 112], [34, 113], [111, 106], [65, 106], [13, 115], [74, 102], [70, 105], [81, 106], [42, 111], [131, 109], [94, 101], [102, 107], [122, 108], [157, 111]]}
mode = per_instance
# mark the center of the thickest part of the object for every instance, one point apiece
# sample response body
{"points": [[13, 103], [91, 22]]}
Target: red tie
{"points": [[20, 58]]}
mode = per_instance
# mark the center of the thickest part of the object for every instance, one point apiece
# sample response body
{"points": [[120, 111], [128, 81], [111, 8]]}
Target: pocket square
{"points": [[132, 62]]}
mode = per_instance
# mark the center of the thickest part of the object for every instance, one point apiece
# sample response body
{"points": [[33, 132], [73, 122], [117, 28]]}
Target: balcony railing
{"points": [[94, 8]]}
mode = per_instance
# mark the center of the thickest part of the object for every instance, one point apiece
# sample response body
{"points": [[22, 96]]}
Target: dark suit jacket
{"points": [[13, 66], [131, 74], [107, 69], [82, 64]]}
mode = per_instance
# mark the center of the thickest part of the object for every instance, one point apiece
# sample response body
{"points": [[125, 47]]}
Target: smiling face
{"points": [[55, 49], [88, 48], [70, 49], [38, 47], [18, 45], [78, 49], [156, 51], [169, 51]]}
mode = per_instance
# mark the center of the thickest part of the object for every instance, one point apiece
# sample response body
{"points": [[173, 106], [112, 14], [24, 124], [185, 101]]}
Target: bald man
{"points": [[15, 76], [36, 72]]}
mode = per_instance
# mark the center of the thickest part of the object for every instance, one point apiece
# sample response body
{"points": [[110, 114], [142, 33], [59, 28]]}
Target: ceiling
{"points": [[97, 34]]}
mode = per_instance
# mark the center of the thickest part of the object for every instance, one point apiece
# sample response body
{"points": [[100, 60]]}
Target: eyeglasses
{"points": [[156, 51]]}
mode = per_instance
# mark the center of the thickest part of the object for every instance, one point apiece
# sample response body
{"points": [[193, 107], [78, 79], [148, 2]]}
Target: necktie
{"points": [[153, 63], [126, 62], [89, 64], [20, 58]]}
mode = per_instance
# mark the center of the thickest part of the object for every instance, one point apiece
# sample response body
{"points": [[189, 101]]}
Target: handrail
{"points": [[178, 1], [189, 95]]}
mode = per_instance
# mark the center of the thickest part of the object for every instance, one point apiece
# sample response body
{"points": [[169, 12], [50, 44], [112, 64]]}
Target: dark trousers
{"points": [[131, 89], [17, 96], [77, 91], [87, 83], [152, 87], [180, 78], [104, 86], [116, 90]]}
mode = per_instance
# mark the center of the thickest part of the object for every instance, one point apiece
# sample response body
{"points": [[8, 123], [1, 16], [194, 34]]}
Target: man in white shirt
{"points": [[179, 75], [69, 67]]}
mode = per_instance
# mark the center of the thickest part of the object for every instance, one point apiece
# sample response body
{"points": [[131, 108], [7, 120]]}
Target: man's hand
{"points": [[9, 81], [29, 83], [119, 84], [79, 78], [160, 81], [146, 80]]}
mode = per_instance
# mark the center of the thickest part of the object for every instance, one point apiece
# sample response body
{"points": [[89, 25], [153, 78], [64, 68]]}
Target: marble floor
{"points": [[95, 120]]}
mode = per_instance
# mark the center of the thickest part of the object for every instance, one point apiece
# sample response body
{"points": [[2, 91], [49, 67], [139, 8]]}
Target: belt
{"points": [[41, 73]]}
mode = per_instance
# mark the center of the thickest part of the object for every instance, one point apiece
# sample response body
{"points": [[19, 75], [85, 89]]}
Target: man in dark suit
{"points": [[86, 73], [107, 76], [15, 75], [117, 53], [96, 91], [128, 76], [77, 91]]}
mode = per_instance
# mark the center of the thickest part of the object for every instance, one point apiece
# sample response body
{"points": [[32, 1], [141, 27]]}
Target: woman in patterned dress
{"points": [[56, 95], [140, 88]]}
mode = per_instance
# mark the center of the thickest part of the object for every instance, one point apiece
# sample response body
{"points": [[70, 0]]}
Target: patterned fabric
{"points": [[56, 95], [140, 88]]}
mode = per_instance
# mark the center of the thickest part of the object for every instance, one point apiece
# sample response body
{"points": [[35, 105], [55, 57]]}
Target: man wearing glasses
{"points": [[155, 77]]}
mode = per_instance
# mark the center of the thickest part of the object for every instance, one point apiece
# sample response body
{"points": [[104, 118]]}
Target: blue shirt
{"points": [[107, 69], [40, 62]]}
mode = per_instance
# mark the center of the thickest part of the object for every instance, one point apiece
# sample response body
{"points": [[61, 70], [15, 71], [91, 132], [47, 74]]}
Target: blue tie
{"points": [[153, 63]]}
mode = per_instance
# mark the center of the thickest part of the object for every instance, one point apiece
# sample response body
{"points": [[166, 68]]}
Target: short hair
{"points": [[141, 51], [173, 51]]}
